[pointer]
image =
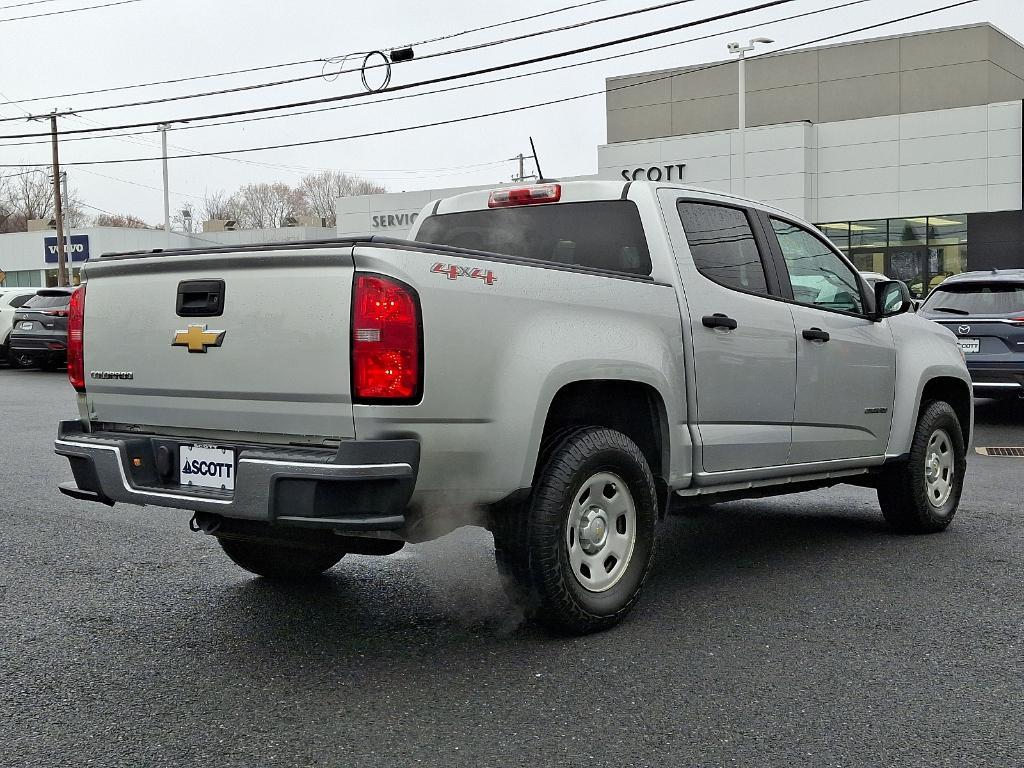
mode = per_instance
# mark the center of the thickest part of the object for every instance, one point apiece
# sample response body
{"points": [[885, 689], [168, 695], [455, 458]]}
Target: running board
{"points": [[747, 485]]}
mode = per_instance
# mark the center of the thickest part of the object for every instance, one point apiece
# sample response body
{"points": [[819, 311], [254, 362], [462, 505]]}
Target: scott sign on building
{"points": [[672, 172], [77, 248]]}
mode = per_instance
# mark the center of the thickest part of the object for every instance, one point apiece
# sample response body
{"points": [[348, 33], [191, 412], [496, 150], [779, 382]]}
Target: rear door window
{"points": [[723, 246], [603, 234], [977, 299]]}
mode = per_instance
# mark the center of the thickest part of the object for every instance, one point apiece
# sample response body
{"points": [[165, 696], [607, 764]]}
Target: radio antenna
{"points": [[536, 162]]}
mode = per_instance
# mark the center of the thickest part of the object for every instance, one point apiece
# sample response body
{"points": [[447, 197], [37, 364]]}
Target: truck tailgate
{"points": [[276, 359]]}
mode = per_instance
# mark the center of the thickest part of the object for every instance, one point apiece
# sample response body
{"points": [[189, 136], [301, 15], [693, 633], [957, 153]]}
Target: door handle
{"points": [[718, 320], [815, 334]]}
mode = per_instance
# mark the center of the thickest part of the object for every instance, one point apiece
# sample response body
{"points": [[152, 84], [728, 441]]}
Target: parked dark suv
{"points": [[986, 312], [40, 333]]}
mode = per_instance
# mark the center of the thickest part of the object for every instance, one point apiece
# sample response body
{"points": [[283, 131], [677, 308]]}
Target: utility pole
{"points": [[522, 158], [521, 176], [167, 195], [58, 207]]}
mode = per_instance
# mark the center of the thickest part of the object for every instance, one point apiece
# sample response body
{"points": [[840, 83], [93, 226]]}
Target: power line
{"points": [[304, 78], [478, 84], [467, 118], [505, 23], [282, 65], [22, 5], [406, 173], [431, 81], [66, 10]]}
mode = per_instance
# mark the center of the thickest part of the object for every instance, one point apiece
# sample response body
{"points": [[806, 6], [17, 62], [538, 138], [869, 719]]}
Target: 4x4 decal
{"points": [[454, 272]]}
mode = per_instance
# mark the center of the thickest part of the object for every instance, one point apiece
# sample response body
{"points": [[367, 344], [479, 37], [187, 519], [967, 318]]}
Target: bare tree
{"points": [[28, 194], [218, 205], [265, 205], [320, 191], [127, 220]]}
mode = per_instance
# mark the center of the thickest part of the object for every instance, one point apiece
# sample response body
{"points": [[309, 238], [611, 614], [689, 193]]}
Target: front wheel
{"points": [[280, 561], [579, 554], [922, 494]]}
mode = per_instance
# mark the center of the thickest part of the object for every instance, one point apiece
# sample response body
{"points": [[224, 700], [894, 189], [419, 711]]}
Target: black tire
{"points": [[903, 492], [280, 561], [532, 546]]}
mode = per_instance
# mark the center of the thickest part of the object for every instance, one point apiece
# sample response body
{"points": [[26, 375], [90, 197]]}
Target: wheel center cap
{"points": [[593, 530], [933, 468]]}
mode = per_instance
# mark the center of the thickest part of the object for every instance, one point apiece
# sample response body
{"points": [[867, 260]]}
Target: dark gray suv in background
{"points": [[986, 312]]}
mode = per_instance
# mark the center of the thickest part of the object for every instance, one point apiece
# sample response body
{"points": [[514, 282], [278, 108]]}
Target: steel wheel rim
{"points": [[939, 468], [600, 533]]}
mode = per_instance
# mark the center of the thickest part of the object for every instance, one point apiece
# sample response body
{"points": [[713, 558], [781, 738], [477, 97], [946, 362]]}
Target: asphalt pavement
{"points": [[795, 631]]}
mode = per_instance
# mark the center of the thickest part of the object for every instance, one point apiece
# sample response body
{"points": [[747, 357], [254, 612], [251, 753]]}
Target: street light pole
{"points": [[741, 138], [167, 195]]}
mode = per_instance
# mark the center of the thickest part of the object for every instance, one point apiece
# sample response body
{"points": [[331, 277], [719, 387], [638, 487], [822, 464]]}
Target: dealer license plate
{"points": [[969, 345], [26, 326], [207, 466]]}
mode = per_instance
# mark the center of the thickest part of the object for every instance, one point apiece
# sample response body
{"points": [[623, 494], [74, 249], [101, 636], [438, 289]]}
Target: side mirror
{"points": [[892, 297]]}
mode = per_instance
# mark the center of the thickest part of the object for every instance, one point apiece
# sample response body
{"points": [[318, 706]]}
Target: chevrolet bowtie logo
{"points": [[197, 338]]}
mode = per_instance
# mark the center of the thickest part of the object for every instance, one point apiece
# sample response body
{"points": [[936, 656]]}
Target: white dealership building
{"points": [[905, 150]]}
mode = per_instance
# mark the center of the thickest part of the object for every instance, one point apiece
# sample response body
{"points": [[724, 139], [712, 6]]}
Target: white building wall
{"points": [[963, 160]]}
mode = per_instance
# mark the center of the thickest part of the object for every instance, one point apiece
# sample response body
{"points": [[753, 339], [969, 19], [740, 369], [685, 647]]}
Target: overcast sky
{"points": [[158, 40]]}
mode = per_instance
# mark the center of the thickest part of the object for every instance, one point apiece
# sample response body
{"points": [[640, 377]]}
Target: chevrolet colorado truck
{"points": [[560, 363]]}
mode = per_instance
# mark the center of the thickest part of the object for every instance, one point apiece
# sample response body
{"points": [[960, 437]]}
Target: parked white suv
{"points": [[558, 362], [10, 300]]}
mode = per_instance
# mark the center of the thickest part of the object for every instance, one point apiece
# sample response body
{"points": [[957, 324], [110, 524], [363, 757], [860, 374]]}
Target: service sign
{"points": [[77, 248], [392, 220]]}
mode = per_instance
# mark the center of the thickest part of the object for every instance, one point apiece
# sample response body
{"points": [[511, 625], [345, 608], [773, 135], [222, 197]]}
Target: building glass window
{"points": [[27, 278], [922, 251], [947, 247], [74, 276], [839, 233], [867, 245]]}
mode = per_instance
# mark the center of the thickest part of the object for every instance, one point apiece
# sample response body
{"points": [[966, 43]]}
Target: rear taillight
{"points": [[1019, 320], [539, 193], [76, 325], [386, 330], [57, 312]]}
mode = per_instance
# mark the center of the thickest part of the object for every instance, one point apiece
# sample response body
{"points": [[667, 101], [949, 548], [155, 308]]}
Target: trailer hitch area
{"points": [[205, 522]]}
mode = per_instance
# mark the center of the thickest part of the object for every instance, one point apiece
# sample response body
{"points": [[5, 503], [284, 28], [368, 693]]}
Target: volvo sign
{"points": [[77, 248]]}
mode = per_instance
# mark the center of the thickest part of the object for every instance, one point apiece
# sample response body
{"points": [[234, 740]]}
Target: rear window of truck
{"points": [[605, 234]]}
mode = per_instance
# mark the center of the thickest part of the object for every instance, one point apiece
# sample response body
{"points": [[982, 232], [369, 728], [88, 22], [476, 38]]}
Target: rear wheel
{"points": [[280, 561], [579, 553], [922, 494]]}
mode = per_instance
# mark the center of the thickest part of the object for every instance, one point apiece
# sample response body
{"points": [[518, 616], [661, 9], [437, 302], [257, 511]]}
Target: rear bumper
{"points": [[997, 378], [362, 486], [40, 345]]}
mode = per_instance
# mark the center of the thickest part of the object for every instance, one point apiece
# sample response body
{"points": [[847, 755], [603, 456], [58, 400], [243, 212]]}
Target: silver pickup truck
{"points": [[560, 363]]}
